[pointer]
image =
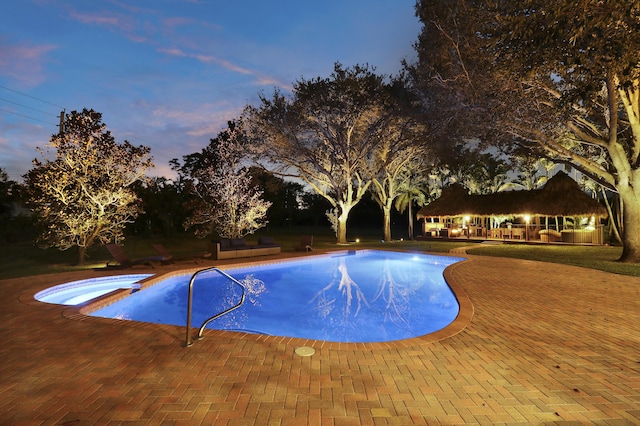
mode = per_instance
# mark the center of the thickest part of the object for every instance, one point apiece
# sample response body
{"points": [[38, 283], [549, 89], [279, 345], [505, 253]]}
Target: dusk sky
{"points": [[170, 73]]}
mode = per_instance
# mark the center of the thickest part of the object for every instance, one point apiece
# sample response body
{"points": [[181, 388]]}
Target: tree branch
{"points": [[559, 150]]}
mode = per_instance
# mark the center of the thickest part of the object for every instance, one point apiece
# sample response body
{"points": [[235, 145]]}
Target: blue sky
{"points": [[170, 73]]}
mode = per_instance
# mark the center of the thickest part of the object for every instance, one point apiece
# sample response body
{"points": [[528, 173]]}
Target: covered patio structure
{"points": [[558, 212]]}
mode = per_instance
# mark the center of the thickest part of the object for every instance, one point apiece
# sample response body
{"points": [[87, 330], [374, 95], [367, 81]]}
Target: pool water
{"points": [[364, 296]]}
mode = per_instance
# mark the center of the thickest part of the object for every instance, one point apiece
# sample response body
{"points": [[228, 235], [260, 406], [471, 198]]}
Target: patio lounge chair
{"points": [[306, 243], [124, 262]]}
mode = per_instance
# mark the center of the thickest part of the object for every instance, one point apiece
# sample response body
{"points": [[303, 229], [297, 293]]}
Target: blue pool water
{"points": [[364, 296], [76, 292]]}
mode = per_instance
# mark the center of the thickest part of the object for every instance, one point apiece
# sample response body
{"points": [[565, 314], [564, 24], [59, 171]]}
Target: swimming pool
{"points": [[363, 296], [77, 292]]}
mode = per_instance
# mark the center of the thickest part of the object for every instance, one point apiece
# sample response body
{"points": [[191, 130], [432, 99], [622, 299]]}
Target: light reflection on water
{"points": [[371, 296]]}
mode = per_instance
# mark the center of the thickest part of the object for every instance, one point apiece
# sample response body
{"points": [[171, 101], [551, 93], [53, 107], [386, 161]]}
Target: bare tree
{"points": [[84, 195]]}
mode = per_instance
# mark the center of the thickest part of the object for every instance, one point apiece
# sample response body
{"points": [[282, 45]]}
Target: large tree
{"points": [[450, 72], [583, 61], [83, 194], [226, 201], [400, 155], [325, 135], [569, 85], [399, 167]]}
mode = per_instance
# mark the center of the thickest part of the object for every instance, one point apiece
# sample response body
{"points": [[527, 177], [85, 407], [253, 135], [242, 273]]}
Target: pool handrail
{"points": [[188, 342]]}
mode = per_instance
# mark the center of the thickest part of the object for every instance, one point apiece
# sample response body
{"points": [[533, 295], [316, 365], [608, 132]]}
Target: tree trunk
{"points": [[631, 226], [342, 224], [613, 223], [81, 255], [410, 205], [386, 210], [342, 229]]}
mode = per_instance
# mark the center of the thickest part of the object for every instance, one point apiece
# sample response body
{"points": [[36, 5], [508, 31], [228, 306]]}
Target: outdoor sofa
{"points": [[550, 236], [233, 248]]}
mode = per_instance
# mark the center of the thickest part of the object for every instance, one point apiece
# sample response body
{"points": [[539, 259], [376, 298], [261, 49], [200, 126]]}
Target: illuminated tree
{"points": [[568, 77], [398, 169], [226, 201], [325, 135], [533, 173], [399, 157], [83, 196]]}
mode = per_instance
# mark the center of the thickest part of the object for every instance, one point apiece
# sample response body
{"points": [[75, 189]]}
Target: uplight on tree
{"points": [[80, 191], [325, 135], [226, 201]]}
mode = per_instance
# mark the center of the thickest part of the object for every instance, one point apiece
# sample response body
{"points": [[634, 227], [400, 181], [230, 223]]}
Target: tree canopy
{"points": [[226, 201], [560, 78], [326, 135], [83, 194]]}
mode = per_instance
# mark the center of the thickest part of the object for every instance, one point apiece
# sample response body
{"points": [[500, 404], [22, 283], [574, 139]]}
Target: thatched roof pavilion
{"points": [[560, 196]]}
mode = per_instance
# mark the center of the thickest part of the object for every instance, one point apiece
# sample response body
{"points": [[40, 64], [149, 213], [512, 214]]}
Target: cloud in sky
{"points": [[171, 74], [24, 63]]}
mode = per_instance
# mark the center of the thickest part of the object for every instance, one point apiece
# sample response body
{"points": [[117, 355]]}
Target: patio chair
{"points": [[124, 262], [164, 254], [306, 243]]}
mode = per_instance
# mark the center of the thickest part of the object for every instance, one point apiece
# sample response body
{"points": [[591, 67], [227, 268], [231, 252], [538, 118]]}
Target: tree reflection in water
{"points": [[396, 304], [340, 294], [395, 295]]}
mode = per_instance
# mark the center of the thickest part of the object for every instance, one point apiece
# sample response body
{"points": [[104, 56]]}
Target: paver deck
{"points": [[547, 344]]}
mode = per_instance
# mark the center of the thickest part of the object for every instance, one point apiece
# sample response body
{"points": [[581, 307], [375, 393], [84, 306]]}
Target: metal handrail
{"points": [[190, 303]]}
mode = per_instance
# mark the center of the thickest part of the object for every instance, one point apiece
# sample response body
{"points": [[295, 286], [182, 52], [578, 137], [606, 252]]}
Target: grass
{"points": [[24, 259], [603, 258]]}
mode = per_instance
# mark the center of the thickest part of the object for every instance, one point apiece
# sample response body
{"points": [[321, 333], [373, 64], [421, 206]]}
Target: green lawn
{"points": [[24, 258], [595, 257]]}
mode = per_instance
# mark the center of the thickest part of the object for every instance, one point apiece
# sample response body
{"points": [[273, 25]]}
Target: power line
{"points": [[27, 116], [32, 97], [28, 107]]}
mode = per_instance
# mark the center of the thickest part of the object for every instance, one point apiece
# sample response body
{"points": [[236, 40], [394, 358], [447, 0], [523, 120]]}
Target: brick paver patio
{"points": [[547, 344]]}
